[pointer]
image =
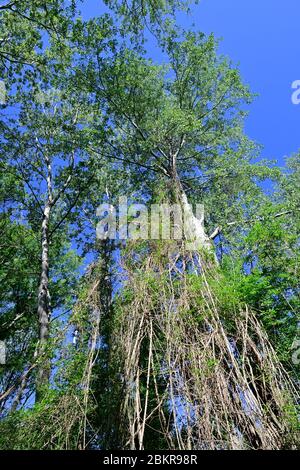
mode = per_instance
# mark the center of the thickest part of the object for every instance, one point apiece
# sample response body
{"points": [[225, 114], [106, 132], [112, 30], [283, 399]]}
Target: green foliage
{"points": [[96, 118], [44, 426]]}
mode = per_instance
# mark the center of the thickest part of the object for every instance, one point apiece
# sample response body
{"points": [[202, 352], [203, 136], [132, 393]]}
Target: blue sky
{"points": [[263, 37]]}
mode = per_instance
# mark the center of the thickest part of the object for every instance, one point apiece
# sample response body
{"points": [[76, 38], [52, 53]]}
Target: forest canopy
{"points": [[185, 341]]}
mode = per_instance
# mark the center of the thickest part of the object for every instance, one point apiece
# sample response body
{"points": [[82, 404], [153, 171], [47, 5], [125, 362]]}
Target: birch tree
{"points": [[45, 151]]}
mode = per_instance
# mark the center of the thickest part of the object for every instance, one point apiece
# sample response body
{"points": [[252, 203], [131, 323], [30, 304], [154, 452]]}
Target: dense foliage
{"points": [[139, 344]]}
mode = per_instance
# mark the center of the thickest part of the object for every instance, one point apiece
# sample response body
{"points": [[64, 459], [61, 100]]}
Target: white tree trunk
{"points": [[196, 238], [43, 311]]}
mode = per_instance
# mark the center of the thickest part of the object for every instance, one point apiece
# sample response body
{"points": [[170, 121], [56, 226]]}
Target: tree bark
{"points": [[44, 308], [43, 311], [194, 230], [196, 237]]}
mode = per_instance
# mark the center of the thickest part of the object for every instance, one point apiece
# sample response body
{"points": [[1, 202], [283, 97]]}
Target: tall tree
{"points": [[179, 130], [168, 347]]}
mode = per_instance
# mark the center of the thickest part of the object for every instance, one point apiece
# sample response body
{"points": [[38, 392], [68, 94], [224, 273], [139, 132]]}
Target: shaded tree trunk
{"points": [[43, 311]]}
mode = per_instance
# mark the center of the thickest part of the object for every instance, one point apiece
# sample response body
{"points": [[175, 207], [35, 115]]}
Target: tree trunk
{"points": [[43, 372], [196, 237], [194, 230]]}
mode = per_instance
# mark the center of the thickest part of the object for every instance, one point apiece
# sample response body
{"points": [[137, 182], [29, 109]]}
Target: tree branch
{"points": [[218, 230]]}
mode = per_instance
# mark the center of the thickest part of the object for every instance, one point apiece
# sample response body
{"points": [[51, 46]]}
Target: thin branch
{"points": [[218, 230], [7, 6]]}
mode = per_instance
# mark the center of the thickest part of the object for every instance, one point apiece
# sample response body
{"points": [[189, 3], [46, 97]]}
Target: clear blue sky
{"points": [[263, 37]]}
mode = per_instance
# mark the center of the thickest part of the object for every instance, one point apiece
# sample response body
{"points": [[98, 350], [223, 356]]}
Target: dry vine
{"points": [[215, 382]]}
